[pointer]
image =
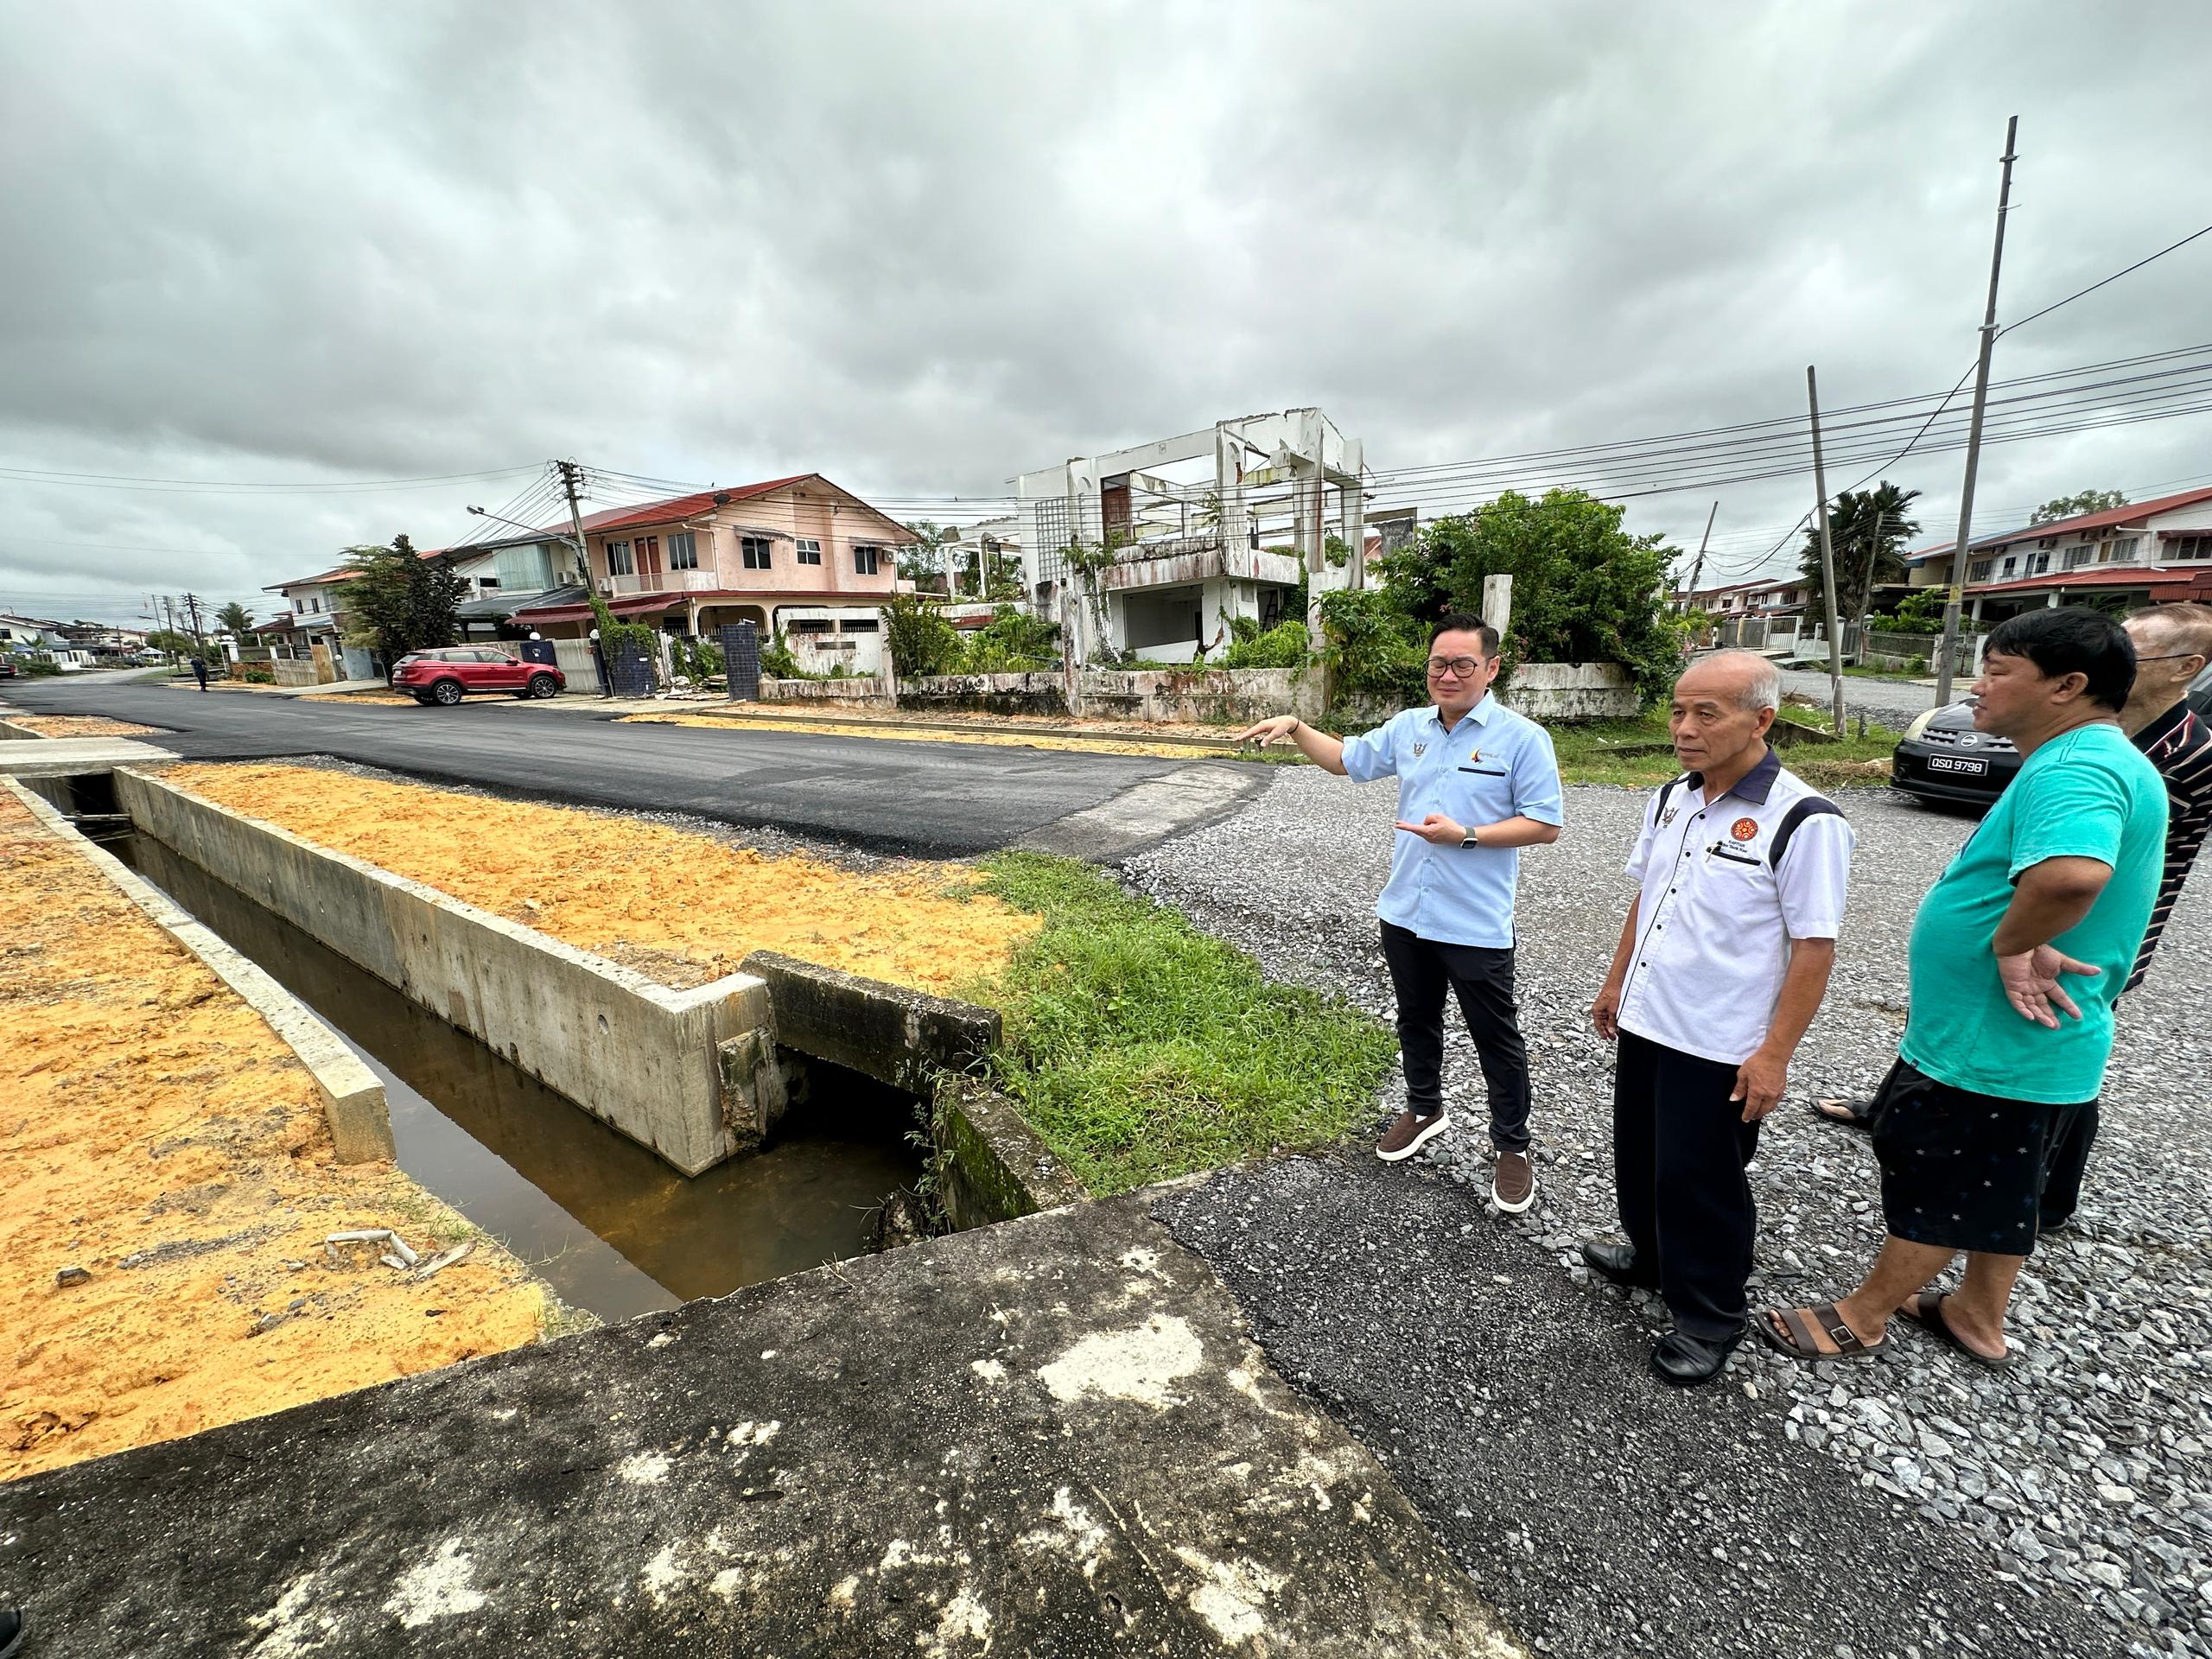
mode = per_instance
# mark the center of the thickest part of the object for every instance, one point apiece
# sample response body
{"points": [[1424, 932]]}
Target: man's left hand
{"points": [[2030, 983], [1759, 1083], [1437, 830]]}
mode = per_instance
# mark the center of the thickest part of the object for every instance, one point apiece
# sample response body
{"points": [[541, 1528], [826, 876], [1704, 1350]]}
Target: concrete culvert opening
{"points": [[609, 1224]]}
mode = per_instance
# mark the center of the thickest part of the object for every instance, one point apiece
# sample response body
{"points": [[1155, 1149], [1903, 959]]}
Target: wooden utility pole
{"points": [[1828, 553], [568, 471], [1697, 566], [1947, 650]]}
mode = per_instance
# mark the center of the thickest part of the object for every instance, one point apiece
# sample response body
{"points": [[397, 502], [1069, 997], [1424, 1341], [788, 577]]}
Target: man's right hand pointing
{"points": [[1269, 731]]}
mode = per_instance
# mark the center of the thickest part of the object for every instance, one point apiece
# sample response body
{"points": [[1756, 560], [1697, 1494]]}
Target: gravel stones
{"points": [[2084, 1469]]}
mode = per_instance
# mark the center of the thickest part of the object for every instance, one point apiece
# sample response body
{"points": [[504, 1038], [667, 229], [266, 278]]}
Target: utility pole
{"points": [[1949, 649], [1828, 553], [569, 471], [1697, 566], [191, 610]]}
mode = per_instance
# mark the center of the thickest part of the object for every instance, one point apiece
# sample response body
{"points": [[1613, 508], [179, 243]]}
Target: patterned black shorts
{"points": [[1961, 1170]]}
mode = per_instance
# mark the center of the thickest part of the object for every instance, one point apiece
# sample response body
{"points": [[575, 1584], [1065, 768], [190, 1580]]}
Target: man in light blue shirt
{"points": [[1476, 784]]}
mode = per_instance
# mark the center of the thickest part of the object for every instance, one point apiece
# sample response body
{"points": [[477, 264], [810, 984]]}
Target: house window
{"points": [[2077, 557], [2193, 547], [618, 560], [487, 581], [865, 624], [864, 561], [2041, 565], [684, 551], [809, 552], [754, 550], [809, 625], [2123, 550], [1978, 570], [2011, 563]]}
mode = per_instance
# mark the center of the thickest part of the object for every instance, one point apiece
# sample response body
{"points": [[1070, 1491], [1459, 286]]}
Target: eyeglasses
{"points": [[2162, 657], [1461, 668]]}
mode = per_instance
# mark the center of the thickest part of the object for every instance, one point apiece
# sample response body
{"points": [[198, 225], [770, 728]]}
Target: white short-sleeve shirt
{"points": [[1725, 885]]}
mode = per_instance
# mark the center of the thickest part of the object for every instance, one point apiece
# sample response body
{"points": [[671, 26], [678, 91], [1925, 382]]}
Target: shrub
{"points": [[1373, 646], [918, 638], [1012, 642], [777, 661], [1284, 645]]}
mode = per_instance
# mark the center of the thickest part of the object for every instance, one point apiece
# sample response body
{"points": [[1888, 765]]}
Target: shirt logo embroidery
{"points": [[1419, 749], [1744, 829], [1668, 816]]}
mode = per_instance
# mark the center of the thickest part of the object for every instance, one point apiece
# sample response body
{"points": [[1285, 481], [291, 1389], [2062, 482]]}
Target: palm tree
{"points": [[235, 616], [1867, 530]]}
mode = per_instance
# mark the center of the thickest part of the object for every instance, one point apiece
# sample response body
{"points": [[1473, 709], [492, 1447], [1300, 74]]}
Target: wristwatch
{"points": [[1473, 838]]}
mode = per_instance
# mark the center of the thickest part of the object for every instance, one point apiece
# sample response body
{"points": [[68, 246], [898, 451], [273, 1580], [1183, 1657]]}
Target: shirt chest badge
{"points": [[1744, 829], [1419, 749]]}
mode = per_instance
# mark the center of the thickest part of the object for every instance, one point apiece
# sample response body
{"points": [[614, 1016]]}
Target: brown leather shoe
{"points": [[1408, 1134], [1513, 1182]]}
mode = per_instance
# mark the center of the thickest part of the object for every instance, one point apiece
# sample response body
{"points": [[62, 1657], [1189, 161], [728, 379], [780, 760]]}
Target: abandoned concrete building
{"points": [[1154, 550]]}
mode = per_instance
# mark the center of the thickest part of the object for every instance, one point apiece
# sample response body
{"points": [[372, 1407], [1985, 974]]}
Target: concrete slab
{"points": [[1052, 1437], [49, 755]]}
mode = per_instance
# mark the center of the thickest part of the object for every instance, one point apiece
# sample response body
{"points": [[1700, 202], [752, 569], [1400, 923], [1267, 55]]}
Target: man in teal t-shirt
{"points": [[2016, 957]]}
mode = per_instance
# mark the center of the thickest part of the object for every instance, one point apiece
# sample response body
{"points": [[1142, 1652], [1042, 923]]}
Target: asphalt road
{"points": [[936, 799]]}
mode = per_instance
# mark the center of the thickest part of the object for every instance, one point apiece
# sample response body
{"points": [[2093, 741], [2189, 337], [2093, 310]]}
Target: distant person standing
{"points": [[2015, 958], [1476, 784], [1742, 872], [199, 671]]}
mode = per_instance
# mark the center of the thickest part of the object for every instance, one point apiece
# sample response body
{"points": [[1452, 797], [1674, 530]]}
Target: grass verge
{"points": [[1635, 753], [1141, 1049]]}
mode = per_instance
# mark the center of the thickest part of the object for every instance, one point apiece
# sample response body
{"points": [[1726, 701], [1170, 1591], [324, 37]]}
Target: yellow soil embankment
{"points": [[79, 725], [398, 699], [681, 907], [155, 1133], [909, 735]]}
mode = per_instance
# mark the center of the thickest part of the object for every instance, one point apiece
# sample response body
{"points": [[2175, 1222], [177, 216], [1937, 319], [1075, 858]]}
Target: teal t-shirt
{"points": [[2086, 794]]}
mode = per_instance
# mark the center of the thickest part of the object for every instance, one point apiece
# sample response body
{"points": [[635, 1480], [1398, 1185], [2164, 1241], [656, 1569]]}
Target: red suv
{"points": [[449, 675]]}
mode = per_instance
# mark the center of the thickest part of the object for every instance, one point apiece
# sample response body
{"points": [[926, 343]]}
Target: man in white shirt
{"points": [[1721, 966]]}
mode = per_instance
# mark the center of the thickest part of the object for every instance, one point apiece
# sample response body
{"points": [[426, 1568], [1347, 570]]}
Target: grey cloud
{"points": [[922, 248]]}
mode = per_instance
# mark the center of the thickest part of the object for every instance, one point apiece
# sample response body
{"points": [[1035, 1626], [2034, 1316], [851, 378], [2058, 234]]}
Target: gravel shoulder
{"points": [[2079, 1477], [1892, 702]]}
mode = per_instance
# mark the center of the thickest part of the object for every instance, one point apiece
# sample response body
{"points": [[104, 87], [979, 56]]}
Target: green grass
{"points": [[1610, 751], [1141, 1049]]}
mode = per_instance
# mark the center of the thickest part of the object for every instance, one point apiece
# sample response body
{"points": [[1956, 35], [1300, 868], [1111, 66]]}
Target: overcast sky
{"points": [[920, 248]]}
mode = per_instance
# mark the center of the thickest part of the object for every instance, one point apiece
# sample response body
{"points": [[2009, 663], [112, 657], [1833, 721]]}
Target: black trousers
{"points": [[2069, 1163], [1680, 1148], [1421, 971]]}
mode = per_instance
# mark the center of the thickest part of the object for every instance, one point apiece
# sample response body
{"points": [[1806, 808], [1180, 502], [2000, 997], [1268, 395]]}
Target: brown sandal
{"points": [[1796, 1331]]}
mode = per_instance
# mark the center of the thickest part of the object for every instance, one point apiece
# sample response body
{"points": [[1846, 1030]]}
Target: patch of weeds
{"points": [[1141, 1049], [1636, 754]]}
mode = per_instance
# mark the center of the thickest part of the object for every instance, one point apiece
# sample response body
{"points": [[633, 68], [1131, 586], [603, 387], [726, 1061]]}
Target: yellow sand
{"points": [[906, 734], [682, 907], [156, 1133], [79, 726]]}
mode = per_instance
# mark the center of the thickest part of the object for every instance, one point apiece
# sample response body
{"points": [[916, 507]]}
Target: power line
{"points": [[2094, 286], [196, 486]]}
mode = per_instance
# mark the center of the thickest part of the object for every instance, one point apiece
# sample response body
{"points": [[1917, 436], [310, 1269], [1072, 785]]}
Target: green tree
{"points": [[924, 562], [1867, 530], [1584, 589], [398, 601], [2073, 506], [236, 618]]}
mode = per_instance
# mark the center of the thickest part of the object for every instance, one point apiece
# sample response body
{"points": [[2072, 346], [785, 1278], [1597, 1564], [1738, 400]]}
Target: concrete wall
{"points": [[646, 1059], [296, 672], [1572, 691], [864, 691]]}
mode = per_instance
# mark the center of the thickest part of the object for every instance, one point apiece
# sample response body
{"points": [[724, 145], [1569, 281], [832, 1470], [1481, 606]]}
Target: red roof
{"points": [[2153, 577], [648, 604], [688, 506], [2124, 515]]}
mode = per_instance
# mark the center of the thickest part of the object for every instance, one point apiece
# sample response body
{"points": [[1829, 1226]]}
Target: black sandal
{"points": [[1845, 1112], [1795, 1332], [1926, 1311]]}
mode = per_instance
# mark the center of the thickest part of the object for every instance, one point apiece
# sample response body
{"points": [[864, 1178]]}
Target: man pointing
{"points": [[1475, 782]]}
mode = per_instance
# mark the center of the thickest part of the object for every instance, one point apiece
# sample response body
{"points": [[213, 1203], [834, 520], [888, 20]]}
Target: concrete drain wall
{"points": [[694, 1075], [690, 1074]]}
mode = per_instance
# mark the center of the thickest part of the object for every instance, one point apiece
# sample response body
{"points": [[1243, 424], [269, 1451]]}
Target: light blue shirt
{"points": [[1493, 765]]}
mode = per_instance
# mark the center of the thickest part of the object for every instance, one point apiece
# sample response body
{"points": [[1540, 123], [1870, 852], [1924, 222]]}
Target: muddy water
{"points": [[612, 1228]]}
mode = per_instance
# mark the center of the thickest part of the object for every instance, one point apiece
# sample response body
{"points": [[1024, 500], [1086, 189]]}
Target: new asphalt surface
{"points": [[933, 799]]}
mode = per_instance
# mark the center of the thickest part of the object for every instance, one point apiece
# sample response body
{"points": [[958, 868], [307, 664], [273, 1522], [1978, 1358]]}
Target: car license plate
{"points": [[1958, 764]]}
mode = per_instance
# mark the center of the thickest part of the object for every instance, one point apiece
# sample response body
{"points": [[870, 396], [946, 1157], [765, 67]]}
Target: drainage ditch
{"points": [[609, 1224]]}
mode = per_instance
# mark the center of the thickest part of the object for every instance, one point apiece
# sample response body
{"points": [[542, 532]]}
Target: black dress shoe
{"points": [[1686, 1361], [1618, 1264]]}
